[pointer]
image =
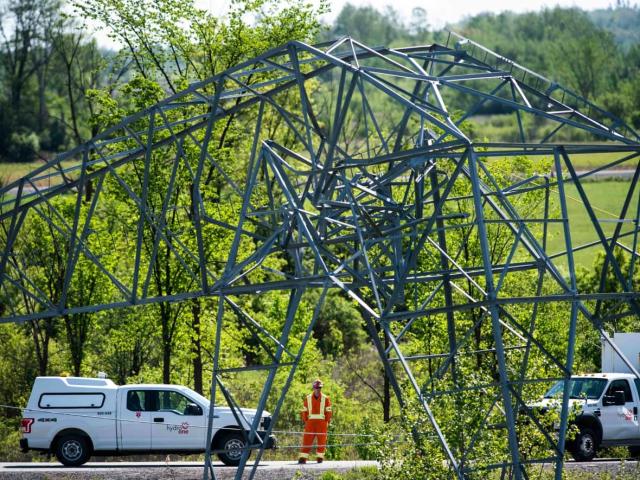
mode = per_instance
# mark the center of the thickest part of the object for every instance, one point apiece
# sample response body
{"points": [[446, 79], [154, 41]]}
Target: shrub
{"points": [[23, 146]]}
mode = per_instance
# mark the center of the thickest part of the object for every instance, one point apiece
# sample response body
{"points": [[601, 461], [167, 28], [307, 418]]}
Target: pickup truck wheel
{"points": [[232, 444], [72, 450], [585, 445], [634, 452]]}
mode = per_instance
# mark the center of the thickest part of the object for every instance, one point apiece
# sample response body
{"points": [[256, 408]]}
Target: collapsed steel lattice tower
{"points": [[389, 201]]}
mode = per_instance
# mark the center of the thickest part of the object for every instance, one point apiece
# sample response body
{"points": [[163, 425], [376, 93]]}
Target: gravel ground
{"points": [[174, 471], [613, 467], [271, 470]]}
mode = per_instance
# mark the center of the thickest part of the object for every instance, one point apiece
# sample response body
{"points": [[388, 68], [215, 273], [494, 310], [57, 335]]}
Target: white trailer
{"points": [[629, 345]]}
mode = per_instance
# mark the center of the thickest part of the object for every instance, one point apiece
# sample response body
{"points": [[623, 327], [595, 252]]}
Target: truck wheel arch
{"points": [[592, 422], [70, 431], [222, 432]]}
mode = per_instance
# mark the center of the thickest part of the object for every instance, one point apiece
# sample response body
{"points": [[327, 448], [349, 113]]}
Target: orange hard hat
{"points": [[317, 383]]}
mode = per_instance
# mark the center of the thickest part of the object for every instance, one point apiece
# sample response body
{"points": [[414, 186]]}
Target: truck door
{"points": [[134, 430], [175, 423], [636, 407], [619, 421]]}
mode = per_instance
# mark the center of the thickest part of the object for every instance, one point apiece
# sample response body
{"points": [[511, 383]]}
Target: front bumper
{"points": [[24, 445], [270, 442]]}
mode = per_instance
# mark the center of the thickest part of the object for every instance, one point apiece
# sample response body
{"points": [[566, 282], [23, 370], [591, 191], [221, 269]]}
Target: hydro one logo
{"points": [[181, 429]]}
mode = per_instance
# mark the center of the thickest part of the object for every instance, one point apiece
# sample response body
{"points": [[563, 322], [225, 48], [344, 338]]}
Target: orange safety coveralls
{"points": [[316, 414]]}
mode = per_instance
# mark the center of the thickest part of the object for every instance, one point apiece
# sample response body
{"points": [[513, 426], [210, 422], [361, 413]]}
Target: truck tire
{"points": [[585, 446], [72, 450], [634, 451], [232, 445]]}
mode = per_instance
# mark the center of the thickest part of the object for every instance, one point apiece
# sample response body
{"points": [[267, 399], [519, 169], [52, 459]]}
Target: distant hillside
{"points": [[622, 22], [595, 54]]}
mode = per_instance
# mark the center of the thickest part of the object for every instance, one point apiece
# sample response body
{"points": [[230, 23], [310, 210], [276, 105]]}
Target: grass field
{"points": [[593, 160], [607, 199], [590, 161], [10, 172]]}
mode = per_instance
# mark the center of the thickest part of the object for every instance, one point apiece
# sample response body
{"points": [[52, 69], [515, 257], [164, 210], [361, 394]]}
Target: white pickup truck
{"points": [[79, 417], [607, 412]]}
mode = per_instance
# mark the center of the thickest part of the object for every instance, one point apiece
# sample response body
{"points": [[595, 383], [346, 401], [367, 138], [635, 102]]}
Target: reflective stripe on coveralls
{"points": [[316, 416]]}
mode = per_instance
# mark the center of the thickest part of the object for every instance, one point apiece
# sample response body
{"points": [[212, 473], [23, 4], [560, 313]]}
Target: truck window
{"points": [[71, 400], [637, 381], [590, 388], [173, 401], [622, 386], [136, 400]]}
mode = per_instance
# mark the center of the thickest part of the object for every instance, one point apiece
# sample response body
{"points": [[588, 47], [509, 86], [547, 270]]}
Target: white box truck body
{"points": [[629, 345]]}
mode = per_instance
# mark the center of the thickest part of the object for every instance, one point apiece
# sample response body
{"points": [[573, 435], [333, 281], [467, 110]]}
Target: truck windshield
{"points": [[590, 388], [196, 396]]}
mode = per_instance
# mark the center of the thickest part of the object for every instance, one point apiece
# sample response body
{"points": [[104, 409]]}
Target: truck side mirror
{"points": [[619, 397], [193, 409]]}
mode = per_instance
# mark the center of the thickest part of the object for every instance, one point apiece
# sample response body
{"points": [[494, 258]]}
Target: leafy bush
{"points": [[55, 136], [10, 442], [365, 473], [23, 146]]}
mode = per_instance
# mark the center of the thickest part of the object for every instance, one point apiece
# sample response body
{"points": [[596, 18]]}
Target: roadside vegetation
{"points": [[623, 472], [62, 88]]}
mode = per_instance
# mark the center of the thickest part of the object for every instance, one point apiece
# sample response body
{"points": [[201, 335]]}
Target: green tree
{"points": [[172, 44], [368, 25]]}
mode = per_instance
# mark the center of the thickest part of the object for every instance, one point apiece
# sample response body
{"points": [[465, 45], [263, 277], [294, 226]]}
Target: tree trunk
{"points": [[386, 398], [42, 102], [41, 337], [16, 100], [166, 362], [76, 327], [165, 318], [196, 346]]}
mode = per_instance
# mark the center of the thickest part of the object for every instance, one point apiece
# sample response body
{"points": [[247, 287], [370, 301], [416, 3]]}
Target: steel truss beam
{"points": [[389, 202]]}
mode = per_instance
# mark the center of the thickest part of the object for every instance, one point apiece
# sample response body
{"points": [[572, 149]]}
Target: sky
{"points": [[442, 12], [439, 12]]}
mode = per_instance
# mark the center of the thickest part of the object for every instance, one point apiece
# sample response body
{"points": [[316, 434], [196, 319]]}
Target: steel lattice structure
{"points": [[388, 201]]}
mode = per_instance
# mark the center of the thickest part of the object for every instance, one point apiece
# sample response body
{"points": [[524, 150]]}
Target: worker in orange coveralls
{"points": [[316, 414]]}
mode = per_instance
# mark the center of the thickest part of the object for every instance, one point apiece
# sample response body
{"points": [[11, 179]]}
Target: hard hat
{"points": [[317, 383]]}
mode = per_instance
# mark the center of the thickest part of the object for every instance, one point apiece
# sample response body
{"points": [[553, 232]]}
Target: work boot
{"points": [[302, 461], [320, 460]]}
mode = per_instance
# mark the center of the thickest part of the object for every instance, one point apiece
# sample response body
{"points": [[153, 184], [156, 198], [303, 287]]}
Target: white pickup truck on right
{"points": [[607, 412]]}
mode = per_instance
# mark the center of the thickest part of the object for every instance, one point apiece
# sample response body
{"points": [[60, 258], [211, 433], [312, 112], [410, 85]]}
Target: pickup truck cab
{"points": [[78, 417], [606, 406]]}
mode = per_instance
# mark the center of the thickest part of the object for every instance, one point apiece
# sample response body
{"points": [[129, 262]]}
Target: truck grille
{"points": [[266, 422]]}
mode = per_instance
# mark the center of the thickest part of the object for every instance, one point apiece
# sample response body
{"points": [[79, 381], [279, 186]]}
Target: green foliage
{"points": [[23, 146], [46, 65], [365, 473], [338, 330], [9, 439], [175, 43], [414, 460], [606, 197], [589, 279], [368, 25]]}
